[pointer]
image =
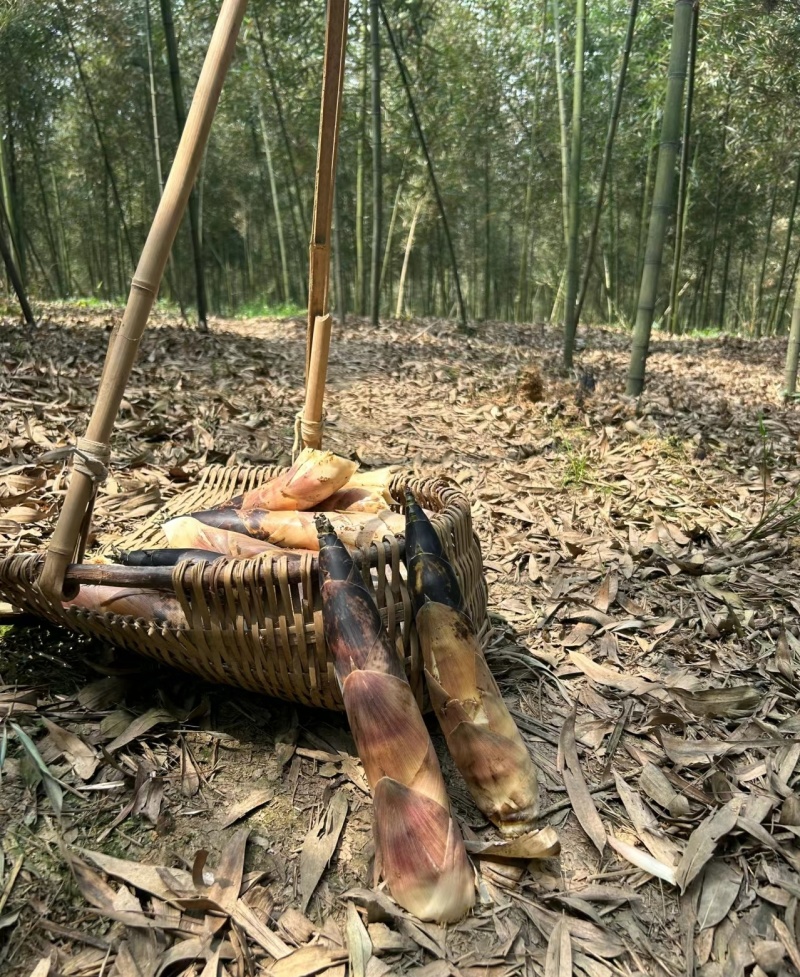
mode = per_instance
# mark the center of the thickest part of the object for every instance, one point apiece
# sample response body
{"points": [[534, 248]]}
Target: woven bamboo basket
{"points": [[256, 624]]}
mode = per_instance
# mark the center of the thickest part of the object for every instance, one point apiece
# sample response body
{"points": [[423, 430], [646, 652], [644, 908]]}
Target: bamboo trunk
{"points": [[9, 198], [521, 305], [48, 224], [605, 166], [771, 322], [281, 121], [180, 118], [562, 122], [462, 310], [487, 237], [762, 274], [325, 173], [387, 251], [276, 206], [401, 287], [361, 290], [712, 253], [663, 198], [13, 273], [648, 179], [793, 348], [99, 133], [723, 298], [570, 301], [171, 276], [377, 165], [683, 180], [338, 262]]}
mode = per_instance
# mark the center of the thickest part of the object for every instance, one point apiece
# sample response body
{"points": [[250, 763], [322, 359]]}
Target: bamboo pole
{"points": [[562, 122], [325, 178], [605, 166], [683, 180], [162, 577], [14, 276], [195, 227], [311, 421], [793, 349], [571, 294], [663, 196], [401, 67], [124, 342], [377, 165]]}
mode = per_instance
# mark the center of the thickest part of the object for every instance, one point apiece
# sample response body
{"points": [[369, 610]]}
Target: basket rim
{"points": [[454, 502]]}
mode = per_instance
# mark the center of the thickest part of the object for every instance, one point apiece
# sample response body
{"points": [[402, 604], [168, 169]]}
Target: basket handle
{"points": [[319, 256], [92, 452]]}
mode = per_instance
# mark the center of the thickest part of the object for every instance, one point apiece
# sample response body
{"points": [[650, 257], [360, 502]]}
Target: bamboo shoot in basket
{"points": [[147, 605], [296, 530]]}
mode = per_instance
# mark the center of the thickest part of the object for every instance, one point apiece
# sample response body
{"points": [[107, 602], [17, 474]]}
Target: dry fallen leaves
{"points": [[643, 582]]}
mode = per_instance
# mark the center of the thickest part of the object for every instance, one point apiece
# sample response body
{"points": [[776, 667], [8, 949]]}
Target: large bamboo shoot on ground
{"points": [[297, 530], [419, 849], [481, 734]]}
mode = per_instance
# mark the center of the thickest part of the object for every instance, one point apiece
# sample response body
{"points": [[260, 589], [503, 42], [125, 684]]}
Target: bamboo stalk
{"points": [[562, 122], [571, 295], [124, 341], [401, 67], [605, 166], [398, 312], [14, 275], [160, 577], [663, 197], [776, 303], [311, 426], [793, 349], [377, 165], [683, 184], [325, 178]]}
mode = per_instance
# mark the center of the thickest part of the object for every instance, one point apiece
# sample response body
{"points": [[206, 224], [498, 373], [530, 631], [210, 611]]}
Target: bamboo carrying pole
{"points": [[325, 178], [93, 450], [311, 419]]}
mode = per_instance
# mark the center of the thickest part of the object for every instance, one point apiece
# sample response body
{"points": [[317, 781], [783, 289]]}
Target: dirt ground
{"points": [[644, 589]]}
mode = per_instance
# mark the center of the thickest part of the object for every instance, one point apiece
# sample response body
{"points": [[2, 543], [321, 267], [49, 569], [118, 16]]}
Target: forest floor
{"points": [[644, 587]]}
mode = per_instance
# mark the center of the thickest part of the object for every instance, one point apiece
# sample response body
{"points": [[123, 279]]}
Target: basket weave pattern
{"points": [[258, 623]]}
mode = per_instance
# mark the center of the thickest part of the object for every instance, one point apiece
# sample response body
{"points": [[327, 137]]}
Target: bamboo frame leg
{"points": [[325, 178], [311, 419], [124, 343]]}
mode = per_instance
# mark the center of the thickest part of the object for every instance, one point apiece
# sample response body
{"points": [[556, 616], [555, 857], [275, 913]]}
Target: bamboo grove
{"points": [[497, 161]]}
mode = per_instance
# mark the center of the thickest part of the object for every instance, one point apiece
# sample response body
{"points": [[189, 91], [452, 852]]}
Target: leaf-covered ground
{"points": [[644, 585]]}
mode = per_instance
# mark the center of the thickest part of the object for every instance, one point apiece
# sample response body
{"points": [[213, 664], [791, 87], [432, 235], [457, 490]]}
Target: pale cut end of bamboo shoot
{"points": [[421, 853], [313, 477], [481, 734]]}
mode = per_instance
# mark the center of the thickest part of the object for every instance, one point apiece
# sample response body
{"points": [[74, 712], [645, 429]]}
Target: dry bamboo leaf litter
{"points": [[671, 522]]}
